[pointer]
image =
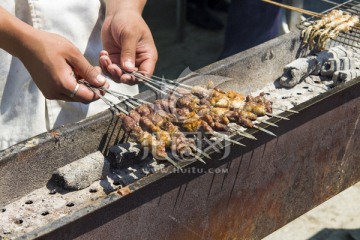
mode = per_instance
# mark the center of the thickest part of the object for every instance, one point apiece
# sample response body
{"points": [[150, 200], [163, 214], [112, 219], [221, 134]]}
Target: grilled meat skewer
{"points": [[154, 123]]}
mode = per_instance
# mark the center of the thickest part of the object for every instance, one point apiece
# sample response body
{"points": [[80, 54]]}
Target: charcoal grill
{"points": [[265, 185]]}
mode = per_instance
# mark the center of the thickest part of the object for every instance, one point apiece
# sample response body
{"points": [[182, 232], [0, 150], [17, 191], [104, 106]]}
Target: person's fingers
{"points": [[128, 79], [121, 77], [103, 53], [128, 52], [86, 71], [147, 59], [104, 62], [115, 72], [77, 92], [148, 66]]}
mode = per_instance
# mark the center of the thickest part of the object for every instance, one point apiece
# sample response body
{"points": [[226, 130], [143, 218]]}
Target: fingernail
{"points": [[100, 79], [129, 64]]}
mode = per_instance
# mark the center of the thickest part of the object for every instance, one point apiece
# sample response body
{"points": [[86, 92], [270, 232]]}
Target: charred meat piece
{"points": [[255, 108], [143, 110], [245, 122], [134, 115], [128, 123], [200, 92]]}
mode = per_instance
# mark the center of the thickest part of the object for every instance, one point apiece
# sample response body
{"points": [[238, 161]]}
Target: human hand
{"points": [[129, 44], [56, 64]]}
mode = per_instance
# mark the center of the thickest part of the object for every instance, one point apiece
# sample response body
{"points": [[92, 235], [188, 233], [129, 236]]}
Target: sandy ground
{"points": [[336, 219]]}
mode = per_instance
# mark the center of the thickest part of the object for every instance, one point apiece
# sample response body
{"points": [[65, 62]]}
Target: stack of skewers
{"points": [[167, 126], [317, 33]]}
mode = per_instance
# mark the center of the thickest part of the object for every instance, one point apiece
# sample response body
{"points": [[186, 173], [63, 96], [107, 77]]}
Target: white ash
{"points": [[57, 205], [324, 63], [334, 53], [297, 70], [81, 173], [344, 76], [286, 98], [339, 64]]}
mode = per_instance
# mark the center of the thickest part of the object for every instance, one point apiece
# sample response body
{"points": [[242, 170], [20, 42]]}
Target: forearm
{"points": [[13, 32], [113, 6]]}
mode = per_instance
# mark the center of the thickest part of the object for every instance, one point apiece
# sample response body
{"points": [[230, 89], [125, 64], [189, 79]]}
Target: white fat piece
{"points": [[237, 104]]}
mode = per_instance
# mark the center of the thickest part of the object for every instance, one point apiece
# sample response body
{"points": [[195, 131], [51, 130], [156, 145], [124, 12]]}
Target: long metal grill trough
{"points": [[247, 195]]}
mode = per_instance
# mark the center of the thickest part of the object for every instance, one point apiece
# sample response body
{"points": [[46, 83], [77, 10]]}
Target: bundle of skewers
{"points": [[168, 127], [317, 33]]}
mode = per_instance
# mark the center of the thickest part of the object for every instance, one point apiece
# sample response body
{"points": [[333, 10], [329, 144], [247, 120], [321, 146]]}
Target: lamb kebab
{"points": [[229, 99], [327, 18], [218, 119], [146, 139], [247, 109], [152, 122]]}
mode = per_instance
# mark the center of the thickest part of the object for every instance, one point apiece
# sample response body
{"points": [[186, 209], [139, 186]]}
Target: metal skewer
{"points": [[203, 153], [200, 151], [171, 89], [242, 133], [264, 130], [108, 102], [172, 162], [227, 138], [118, 94], [268, 123], [276, 116], [133, 102], [285, 110], [198, 158], [154, 88], [153, 77]]}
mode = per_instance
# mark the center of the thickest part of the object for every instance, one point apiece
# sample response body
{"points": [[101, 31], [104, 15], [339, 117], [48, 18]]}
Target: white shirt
{"points": [[24, 112]]}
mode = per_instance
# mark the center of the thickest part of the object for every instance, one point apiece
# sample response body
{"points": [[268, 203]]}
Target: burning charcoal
{"points": [[125, 154], [334, 52], [119, 182], [81, 173], [339, 64], [52, 191], [297, 70], [344, 76]]}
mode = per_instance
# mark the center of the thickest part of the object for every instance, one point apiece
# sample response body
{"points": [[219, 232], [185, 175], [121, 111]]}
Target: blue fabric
{"points": [[250, 23]]}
